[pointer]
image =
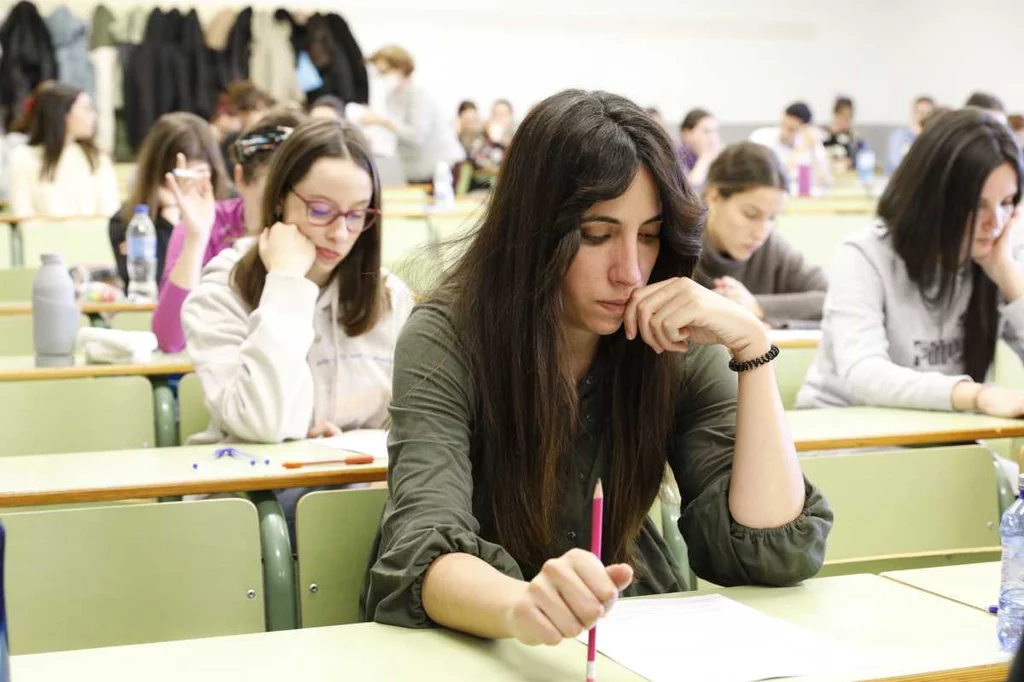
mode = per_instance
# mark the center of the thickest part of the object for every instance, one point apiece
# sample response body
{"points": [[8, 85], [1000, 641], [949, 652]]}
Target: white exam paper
{"points": [[361, 441], [712, 639]]}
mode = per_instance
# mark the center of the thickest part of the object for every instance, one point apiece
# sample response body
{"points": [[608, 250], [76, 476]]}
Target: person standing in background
{"points": [[988, 103], [424, 139], [841, 142], [901, 138], [61, 172], [796, 141], [699, 146]]}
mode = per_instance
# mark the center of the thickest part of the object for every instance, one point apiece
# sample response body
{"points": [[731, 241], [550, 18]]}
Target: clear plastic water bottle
{"points": [[444, 189], [141, 241], [865, 162], [1010, 624]]}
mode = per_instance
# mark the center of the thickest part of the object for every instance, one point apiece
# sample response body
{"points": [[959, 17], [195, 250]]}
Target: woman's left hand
{"points": [[734, 290], [670, 314]]}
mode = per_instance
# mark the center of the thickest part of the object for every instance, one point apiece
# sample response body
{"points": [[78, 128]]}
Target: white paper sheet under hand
{"points": [[712, 639], [363, 441]]}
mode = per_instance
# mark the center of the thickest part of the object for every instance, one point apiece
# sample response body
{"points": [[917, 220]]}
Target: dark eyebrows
{"points": [[615, 221]]}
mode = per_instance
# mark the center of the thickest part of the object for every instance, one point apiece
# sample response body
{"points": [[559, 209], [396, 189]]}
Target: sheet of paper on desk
{"points": [[363, 441], [712, 639]]}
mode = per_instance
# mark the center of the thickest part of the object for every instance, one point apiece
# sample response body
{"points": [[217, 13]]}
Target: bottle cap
{"points": [[1020, 483], [141, 208], [51, 258]]}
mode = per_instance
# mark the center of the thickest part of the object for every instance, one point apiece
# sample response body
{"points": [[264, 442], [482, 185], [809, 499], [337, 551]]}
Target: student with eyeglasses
{"points": [[205, 226], [918, 301], [292, 333]]}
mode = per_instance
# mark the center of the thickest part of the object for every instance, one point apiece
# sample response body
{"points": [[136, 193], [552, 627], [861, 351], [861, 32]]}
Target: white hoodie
{"points": [[271, 373]]}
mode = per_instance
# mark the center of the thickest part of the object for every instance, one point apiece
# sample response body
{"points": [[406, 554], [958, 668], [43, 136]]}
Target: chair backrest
{"points": [[6, 252], [902, 502], [76, 415], [192, 415], [16, 283], [790, 370], [816, 235], [86, 241], [406, 251], [334, 532], [16, 333], [129, 574]]}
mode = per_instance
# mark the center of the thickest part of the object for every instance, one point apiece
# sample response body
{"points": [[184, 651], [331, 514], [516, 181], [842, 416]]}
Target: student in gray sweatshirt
{"points": [[918, 301], [743, 258]]}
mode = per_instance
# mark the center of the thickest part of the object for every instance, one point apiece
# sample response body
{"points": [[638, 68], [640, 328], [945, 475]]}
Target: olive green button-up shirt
{"points": [[439, 503]]}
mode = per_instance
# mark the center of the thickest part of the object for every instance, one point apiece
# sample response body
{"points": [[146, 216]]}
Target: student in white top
{"points": [[61, 172], [293, 333], [795, 140], [917, 303]]}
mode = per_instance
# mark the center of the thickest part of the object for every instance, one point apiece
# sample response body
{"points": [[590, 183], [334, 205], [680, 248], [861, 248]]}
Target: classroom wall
{"points": [[744, 59]]}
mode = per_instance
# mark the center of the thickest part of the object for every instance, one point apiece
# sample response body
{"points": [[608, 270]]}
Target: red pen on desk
{"points": [[596, 523], [351, 459]]}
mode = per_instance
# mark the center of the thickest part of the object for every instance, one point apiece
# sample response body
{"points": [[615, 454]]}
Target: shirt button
{"points": [[571, 535]]}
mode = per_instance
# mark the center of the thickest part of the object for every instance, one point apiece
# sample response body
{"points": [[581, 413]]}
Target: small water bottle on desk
{"points": [[865, 162], [1010, 624], [54, 314], [141, 242]]}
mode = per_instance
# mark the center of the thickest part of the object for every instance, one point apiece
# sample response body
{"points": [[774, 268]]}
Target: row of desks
{"points": [[901, 631]]}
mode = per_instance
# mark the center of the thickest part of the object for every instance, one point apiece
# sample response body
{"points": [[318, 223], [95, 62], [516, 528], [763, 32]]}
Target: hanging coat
{"points": [[353, 58], [70, 38], [26, 58]]}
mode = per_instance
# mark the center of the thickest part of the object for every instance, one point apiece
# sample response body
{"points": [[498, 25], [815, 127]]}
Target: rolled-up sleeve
{"points": [[701, 454], [429, 511]]}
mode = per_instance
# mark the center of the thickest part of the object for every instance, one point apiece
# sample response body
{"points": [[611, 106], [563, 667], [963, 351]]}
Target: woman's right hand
{"points": [[285, 250], [195, 199], [997, 401], [566, 598]]}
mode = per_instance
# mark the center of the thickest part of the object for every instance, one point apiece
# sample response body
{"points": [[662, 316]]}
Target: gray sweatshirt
{"points": [[787, 287], [881, 343]]}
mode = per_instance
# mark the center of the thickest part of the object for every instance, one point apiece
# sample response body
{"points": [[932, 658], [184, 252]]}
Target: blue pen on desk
{"points": [[993, 609], [233, 453]]}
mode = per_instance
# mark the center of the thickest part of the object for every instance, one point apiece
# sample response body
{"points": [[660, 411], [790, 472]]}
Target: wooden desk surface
{"points": [[795, 339], [903, 632], [974, 585], [855, 427], [87, 307], [22, 368], [156, 472]]}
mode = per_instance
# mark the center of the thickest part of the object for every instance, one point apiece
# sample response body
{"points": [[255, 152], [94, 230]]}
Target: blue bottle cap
{"points": [[141, 208]]}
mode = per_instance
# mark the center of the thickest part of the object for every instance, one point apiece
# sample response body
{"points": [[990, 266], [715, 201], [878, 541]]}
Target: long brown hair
{"points": [[573, 150], [173, 134], [744, 166], [360, 290], [48, 127]]}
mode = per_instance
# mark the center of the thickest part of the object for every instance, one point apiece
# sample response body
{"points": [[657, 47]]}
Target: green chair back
{"points": [[16, 283], [902, 505], [16, 333], [790, 370], [816, 235], [192, 415], [108, 576], [407, 249], [334, 531], [133, 321], [76, 415], [84, 242]]}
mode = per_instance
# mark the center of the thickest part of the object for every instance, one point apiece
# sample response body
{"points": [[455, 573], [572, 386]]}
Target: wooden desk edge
{"points": [[918, 438], [86, 307], [370, 473], [89, 371], [990, 672]]}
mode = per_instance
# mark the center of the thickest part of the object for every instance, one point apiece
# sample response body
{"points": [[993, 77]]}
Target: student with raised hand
{"points": [[918, 301], [699, 145], [292, 332], [568, 345], [61, 171], [744, 258], [208, 224], [173, 138], [795, 140]]}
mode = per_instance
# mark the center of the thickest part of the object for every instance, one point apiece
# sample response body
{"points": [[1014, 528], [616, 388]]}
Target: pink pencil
{"points": [[596, 523]]}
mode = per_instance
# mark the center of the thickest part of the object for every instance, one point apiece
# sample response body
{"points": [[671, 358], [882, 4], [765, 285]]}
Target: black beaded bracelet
{"points": [[772, 353]]}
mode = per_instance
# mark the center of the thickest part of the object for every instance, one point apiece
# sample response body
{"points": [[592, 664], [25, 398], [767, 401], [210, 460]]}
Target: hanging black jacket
{"points": [[353, 58], [27, 58]]}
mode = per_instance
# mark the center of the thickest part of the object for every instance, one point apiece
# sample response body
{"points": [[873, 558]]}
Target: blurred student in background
{"points": [[841, 142], [327, 106], [796, 141], [240, 106], [208, 226], [901, 139], [61, 171], [501, 126], [744, 258], [988, 103], [179, 140], [700, 143]]}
